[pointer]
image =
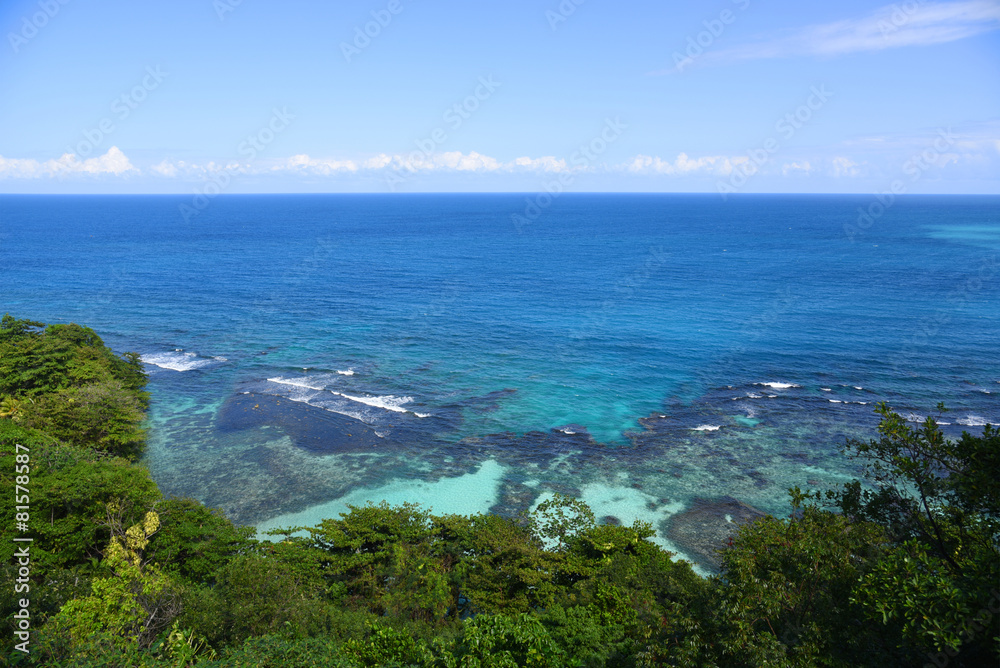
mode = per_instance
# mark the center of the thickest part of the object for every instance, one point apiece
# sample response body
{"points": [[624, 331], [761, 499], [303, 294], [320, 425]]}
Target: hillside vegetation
{"points": [[902, 568]]}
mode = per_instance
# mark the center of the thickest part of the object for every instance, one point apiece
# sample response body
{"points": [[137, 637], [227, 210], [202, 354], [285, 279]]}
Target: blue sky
{"points": [[519, 95]]}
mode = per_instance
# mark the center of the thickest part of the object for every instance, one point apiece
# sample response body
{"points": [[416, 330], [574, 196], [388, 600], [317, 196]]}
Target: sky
{"points": [[722, 96]]}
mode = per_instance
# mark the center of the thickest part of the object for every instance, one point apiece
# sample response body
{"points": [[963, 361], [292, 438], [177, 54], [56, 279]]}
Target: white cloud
{"points": [[682, 164], [793, 167], [419, 162], [473, 162], [844, 167], [315, 165], [113, 162], [912, 23], [164, 168], [457, 161], [19, 168], [547, 163], [969, 149], [378, 162], [192, 170]]}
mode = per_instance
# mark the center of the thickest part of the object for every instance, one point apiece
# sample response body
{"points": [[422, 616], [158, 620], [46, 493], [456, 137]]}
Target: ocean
{"points": [[650, 354]]}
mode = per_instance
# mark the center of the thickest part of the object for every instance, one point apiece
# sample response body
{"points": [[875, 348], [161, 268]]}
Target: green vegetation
{"points": [[65, 382], [900, 569]]}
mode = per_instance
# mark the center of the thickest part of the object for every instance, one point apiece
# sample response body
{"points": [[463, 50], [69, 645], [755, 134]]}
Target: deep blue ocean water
{"points": [[479, 365]]}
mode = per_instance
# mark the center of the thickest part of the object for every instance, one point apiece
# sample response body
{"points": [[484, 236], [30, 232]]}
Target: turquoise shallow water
{"points": [[422, 347]]}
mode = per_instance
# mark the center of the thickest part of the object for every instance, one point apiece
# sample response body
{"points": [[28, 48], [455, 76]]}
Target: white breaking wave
{"points": [[706, 427], [826, 389], [835, 401], [567, 431], [778, 386], [972, 421], [306, 398], [294, 383], [349, 372], [177, 360], [387, 402]]}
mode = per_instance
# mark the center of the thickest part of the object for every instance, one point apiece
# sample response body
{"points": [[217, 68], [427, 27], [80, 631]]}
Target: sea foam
{"points": [[178, 361], [387, 402], [295, 383], [972, 421], [778, 386]]}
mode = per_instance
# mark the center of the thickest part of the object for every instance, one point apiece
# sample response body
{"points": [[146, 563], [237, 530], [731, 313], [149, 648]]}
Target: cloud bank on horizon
{"points": [[775, 98]]}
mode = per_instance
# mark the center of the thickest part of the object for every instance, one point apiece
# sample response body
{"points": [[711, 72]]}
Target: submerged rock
{"points": [[706, 527], [488, 402], [310, 427]]}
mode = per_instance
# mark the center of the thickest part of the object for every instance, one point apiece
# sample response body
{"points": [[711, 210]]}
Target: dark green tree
{"points": [[939, 500]]}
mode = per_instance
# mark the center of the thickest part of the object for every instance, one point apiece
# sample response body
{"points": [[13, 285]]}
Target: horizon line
{"points": [[504, 192]]}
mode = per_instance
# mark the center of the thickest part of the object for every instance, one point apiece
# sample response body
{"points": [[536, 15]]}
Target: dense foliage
{"points": [[64, 381], [902, 568]]}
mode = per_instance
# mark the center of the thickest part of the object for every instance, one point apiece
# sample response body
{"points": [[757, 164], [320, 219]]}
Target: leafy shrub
{"points": [[194, 542], [70, 489], [502, 641]]}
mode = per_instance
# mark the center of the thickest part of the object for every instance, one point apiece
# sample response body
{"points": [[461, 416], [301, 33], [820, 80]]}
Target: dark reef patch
{"points": [[536, 448], [706, 527], [488, 402], [309, 427]]}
